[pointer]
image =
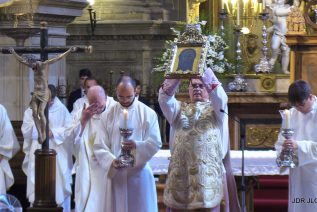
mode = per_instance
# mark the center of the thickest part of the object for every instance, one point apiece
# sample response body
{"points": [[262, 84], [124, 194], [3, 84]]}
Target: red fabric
{"points": [[271, 194], [213, 86]]}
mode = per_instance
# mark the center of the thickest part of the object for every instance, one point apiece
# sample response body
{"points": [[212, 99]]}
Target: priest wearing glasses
{"points": [[199, 175]]}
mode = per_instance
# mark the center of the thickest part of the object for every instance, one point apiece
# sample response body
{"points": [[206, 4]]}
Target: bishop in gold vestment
{"points": [[197, 176]]}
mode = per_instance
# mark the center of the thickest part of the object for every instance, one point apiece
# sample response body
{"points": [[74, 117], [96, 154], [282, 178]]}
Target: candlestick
{"points": [[238, 13], [264, 66], [287, 119], [222, 15], [287, 157], [125, 118]]}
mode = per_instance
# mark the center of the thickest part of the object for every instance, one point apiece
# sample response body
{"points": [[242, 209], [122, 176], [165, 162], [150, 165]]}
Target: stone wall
{"points": [[15, 28], [128, 37]]}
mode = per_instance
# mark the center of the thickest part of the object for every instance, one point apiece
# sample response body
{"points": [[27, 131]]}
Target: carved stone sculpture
{"points": [[41, 94], [279, 14]]}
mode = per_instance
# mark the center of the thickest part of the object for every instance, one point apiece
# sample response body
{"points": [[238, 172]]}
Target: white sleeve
{"points": [[76, 112], [169, 106], [59, 135], [27, 131], [102, 150], [307, 152], [9, 144], [147, 148], [219, 101]]}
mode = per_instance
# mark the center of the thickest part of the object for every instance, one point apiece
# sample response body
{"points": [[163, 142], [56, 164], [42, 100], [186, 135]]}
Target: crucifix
{"points": [[45, 158]]}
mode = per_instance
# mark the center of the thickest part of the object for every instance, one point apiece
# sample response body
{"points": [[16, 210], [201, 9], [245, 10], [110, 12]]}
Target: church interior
{"points": [[130, 37]]}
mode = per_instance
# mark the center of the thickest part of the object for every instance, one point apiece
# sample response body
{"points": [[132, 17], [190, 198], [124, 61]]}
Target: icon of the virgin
{"points": [[186, 60]]}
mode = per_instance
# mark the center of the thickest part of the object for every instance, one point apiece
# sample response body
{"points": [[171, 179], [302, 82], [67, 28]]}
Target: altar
{"points": [[256, 162]]}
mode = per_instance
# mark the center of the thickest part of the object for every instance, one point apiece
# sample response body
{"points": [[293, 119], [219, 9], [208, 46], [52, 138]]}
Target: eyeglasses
{"points": [[197, 85], [125, 98]]}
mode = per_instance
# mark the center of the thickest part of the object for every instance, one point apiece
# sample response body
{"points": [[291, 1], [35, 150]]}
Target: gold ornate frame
{"points": [[190, 41]]}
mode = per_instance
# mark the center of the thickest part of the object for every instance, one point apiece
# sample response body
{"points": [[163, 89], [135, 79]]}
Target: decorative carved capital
{"points": [[192, 35], [21, 19]]}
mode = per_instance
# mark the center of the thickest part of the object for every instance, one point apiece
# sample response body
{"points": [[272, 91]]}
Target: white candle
{"points": [[222, 4], [238, 13], [125, 118], [264, 4], [287, 119], [255, 7], [91, 2]]}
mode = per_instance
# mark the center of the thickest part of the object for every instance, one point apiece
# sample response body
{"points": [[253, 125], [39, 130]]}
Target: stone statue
{"points": [[279, 13], [41, 93], [252, 51], [193, 11]]}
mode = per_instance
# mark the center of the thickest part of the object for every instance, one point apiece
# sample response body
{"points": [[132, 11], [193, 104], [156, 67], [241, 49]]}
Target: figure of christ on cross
{"points": [[41, 94]]}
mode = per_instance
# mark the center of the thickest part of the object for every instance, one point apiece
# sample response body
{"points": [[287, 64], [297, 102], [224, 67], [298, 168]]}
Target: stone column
{"points": [[17, 27]]}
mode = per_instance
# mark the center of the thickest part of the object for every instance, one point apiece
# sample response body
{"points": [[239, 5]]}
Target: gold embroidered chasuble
{"points": [[195, 175]]}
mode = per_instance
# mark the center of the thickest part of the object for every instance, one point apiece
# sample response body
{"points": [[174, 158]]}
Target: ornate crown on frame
{"points": [[189, 54]]}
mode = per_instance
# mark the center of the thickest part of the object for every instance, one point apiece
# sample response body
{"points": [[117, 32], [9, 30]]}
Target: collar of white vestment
{"points": [[109, 99], [131, 107]]}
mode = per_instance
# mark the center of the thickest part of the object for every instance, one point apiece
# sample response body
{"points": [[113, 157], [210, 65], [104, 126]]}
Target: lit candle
{"points": [[287, 119], [255, 7], [125, 118], [245, 7], [238, 13]]}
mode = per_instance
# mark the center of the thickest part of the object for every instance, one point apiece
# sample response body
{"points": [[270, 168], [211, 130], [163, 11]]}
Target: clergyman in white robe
{"points": [[129, 189], [83, 101], [9, 146], [90, 177], [58, 118], [302, 178], [78, 107]]}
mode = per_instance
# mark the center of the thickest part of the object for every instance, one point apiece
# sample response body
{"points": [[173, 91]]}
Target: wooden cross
{"points": [[40, 67], [45, 158]]}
